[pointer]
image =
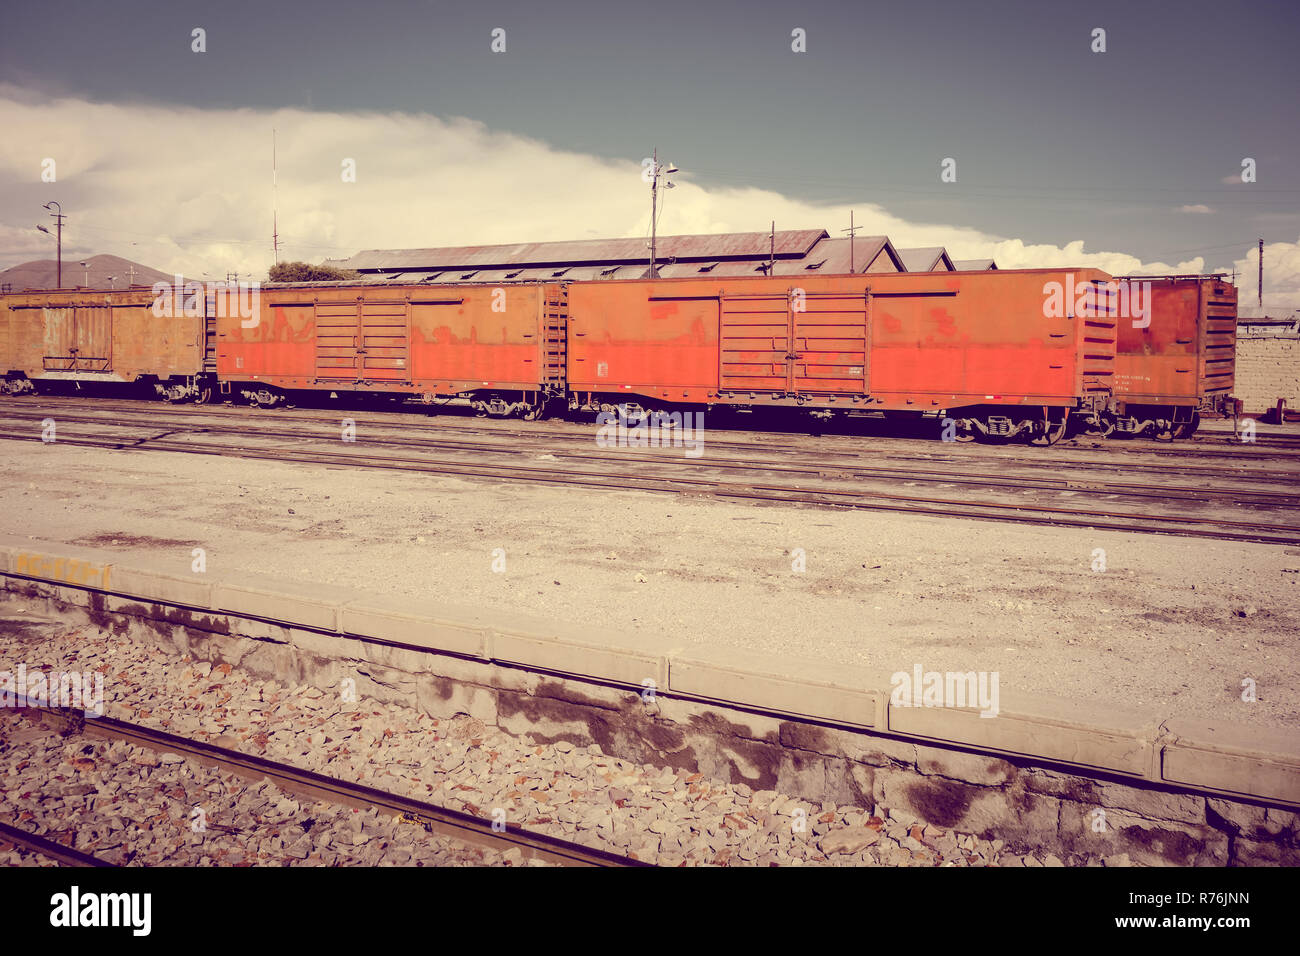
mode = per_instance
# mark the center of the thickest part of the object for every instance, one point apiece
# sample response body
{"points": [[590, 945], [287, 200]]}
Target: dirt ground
{"points": [[1174, 624]]}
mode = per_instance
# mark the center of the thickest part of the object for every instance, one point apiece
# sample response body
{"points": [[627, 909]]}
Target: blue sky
{"points": [[1054, 143]]}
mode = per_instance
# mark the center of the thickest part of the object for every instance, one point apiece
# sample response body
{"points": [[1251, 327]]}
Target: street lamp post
{"points": [[58, 219], [87, 268], [659, 172]]}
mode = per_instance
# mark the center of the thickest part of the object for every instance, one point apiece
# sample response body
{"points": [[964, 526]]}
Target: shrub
{"points": [[306, 272]]}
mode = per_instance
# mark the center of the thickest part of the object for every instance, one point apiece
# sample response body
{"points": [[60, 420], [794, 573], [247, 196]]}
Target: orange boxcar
{"points": [[498, 345], [1002, 353], [1178, 359]]}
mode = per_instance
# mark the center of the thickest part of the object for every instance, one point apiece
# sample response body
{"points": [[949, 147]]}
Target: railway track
{"points": [[64, 855], [456, 428], [453, 824], [839, 469], [1016, 512], [256, 426], [816, 482]]}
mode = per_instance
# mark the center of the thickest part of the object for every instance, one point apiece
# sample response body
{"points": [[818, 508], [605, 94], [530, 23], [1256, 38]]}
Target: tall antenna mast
{"points": [[275, 226], [853, 260], [1261, 277]]}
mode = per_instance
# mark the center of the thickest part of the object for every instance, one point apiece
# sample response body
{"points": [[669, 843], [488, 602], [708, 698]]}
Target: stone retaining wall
{"points": [[1046, 774]]}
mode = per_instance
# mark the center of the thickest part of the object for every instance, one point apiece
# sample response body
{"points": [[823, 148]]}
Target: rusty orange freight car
{"points": [[1175, 360], [1001, 353], [498, 345], [130, 336]]}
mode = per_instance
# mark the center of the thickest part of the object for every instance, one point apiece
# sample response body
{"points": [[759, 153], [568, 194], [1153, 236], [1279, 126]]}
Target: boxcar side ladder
{"points": [[555, 337]]}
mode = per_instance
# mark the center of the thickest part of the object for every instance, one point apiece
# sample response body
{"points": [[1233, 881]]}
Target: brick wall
{"points": [[1268, 368]]}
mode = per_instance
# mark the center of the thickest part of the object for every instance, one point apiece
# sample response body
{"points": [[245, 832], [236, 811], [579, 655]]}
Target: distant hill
{"points": [[41, 273]]}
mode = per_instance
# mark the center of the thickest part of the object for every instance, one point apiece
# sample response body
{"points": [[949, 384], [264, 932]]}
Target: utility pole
{"points": [[1261, 277], [657, 171], [58, 218], [654, 198], [853, 262], [771, 262]]}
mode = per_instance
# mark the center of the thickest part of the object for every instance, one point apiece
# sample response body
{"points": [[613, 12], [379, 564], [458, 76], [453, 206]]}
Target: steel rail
{"points": [[395, 418], [455, 824], [391, 420], [55, 851]]}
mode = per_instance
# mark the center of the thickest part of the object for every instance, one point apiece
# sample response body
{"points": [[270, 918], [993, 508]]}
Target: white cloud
{"points": [[1199, 207], [1281, 280], [189, 190]]}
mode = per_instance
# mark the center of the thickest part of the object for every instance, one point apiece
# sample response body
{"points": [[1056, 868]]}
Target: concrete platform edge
{"points": [[1218, 757]]}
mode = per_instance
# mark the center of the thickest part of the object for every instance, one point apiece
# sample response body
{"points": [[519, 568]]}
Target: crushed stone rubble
{"points": [[130, 805], [119, 799]]}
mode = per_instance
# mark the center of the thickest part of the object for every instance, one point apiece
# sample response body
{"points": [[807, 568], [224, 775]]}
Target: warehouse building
{"points": [[786, 252]]}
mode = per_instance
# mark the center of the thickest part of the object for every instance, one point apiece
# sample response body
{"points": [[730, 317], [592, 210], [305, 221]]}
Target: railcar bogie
{"points": [[530, 406], [188, 388], [16, 383], [1162, 422], [1037, 425]]}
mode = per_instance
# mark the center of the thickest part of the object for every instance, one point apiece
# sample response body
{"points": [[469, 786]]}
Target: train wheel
{"points": [[1048, 432], [1188, 429], [1102, 429], [957, 430], [1165, 429]]}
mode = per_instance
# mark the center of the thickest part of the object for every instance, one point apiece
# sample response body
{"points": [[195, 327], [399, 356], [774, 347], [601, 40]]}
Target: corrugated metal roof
{"points": [[973, 265], [735, 245], [684, 270], [926, 259], [697, 267], [834, 256], [828, 256]]}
